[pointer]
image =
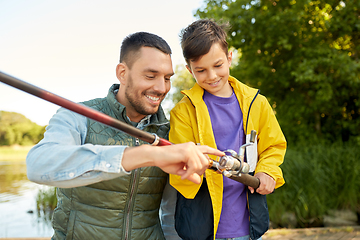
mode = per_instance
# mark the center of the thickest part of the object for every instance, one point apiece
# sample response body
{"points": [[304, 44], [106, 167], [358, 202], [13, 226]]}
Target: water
{"points": [[17, 201]]}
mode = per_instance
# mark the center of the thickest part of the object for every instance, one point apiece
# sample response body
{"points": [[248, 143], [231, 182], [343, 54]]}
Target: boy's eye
{"points": [[219, 65], [200, 71]]}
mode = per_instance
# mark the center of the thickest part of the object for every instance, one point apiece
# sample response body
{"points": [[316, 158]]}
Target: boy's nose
{"points": [[212, 75]]}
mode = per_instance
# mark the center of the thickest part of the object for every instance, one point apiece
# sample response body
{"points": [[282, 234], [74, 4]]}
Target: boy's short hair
{"points": [[198, 37], [131, 45]]}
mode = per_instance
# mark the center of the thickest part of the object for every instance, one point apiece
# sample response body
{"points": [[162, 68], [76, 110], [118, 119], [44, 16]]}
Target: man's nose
{"points": [[160, 86]]}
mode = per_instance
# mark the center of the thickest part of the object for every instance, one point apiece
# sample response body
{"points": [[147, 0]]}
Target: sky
{"points": [[71, 47]]}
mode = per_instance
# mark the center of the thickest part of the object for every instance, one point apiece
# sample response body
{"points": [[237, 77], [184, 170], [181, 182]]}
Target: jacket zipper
{"points": [[131, 197], [247, 121], [248, 115]]}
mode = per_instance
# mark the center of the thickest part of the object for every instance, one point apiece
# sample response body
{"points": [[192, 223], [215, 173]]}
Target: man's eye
{"points": [[150, 77]]}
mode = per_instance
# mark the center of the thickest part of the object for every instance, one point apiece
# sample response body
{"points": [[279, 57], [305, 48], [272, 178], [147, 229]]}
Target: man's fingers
{"points": [[208, 150], [194, 159], [194, 177]]}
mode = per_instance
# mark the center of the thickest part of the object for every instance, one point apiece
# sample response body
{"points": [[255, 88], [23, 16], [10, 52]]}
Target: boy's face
{"points": [[211, 71]]}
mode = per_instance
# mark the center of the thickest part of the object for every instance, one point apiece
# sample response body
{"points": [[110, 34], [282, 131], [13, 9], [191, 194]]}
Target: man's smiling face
{"points": [[146, 83]]}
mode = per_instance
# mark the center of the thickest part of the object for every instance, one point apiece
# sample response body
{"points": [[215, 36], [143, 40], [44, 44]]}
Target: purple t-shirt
{"points": [[227, 123]]}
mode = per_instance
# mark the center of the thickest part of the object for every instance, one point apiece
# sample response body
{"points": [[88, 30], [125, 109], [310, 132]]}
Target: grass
{"points": [[14, 153], [46, 202], [46, 199], [319, 178]]}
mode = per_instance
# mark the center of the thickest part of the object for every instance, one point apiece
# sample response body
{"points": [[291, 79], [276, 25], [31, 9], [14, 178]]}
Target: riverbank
{"points": [[14, 152], [325, 233], [333, 233]]}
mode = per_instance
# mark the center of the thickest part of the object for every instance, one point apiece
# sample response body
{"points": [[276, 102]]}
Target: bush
{"points": [[319, 177]]}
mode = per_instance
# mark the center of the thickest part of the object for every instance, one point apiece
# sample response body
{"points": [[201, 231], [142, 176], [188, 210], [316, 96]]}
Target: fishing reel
{"points": [[234, 164]]}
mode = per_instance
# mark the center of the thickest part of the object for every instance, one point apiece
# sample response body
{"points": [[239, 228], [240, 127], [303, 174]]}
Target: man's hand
{"points": [[186, 160], [267, 184]]}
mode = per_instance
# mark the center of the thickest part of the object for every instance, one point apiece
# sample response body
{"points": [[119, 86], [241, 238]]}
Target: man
{"points": [[107, 189]]}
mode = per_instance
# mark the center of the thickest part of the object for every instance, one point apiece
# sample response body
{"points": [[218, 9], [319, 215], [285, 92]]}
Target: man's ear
{"points": [[121, 70]]}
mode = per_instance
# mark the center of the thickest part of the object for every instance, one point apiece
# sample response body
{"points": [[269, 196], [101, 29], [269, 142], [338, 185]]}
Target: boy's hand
{"points": [[267, 184]]}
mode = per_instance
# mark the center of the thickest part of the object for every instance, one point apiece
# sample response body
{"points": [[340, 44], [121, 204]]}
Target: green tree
{"points": [[15, 128], [182, 80], [304, 56]]}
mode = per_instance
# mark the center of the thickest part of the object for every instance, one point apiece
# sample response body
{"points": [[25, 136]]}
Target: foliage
{"points": [[17, 129], [304, 56], [182, 80], [319, 178]]}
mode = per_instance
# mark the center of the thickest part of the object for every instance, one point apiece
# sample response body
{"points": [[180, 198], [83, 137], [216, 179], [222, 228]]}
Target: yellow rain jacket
{"points": [[190, 121]]}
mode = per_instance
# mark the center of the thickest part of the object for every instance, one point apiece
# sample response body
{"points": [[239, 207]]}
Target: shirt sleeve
{"points": [[167, 212], [62, 158]]}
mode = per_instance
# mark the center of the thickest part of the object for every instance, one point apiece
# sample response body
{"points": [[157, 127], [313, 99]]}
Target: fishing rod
{"points": [[233, 171], [83, 110]]}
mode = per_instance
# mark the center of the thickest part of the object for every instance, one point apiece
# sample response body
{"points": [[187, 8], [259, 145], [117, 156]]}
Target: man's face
{"points": [[146, 83], [211, 71]]}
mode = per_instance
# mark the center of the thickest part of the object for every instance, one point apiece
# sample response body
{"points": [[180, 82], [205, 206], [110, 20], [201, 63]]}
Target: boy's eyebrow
{"points": [[217, 62]]}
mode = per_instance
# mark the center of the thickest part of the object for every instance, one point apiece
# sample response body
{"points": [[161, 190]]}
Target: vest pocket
{"points": [[71, 226]]}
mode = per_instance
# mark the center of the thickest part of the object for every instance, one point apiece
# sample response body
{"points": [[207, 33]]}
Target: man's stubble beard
{"points": [[136, 102]]}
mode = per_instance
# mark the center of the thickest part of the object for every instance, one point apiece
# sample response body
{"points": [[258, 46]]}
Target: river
{"points": [[18, 213]]}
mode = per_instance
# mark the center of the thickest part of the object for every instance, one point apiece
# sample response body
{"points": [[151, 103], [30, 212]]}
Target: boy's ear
{"points": [[189, 69], [120, 73], [229, 57]]}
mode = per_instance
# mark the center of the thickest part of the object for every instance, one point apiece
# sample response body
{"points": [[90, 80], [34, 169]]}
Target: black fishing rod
{"points": [[98, 116]]}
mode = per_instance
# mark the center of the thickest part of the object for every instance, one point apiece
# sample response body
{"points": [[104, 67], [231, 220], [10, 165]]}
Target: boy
{"points": [[220, 112]]}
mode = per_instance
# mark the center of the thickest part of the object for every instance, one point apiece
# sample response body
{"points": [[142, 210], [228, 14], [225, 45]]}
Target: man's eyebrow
{"points": [[156, 71], [151, 70]]}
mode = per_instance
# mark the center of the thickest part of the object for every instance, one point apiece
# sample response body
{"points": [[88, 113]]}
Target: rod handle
{"points": [[248, 180]]}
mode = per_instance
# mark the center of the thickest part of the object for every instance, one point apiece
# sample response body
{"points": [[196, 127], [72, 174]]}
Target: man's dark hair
{"points": [[198, 37], [131, 45]]}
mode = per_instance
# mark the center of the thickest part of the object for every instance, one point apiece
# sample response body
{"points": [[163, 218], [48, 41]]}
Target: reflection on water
{"points": [[17, 201]]}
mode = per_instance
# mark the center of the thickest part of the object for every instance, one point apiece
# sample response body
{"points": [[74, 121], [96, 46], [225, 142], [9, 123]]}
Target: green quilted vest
{"points": [[123, 208]]}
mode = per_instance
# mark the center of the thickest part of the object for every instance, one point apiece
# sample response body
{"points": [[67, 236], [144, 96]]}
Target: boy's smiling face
{"points": [[211, 71]]}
